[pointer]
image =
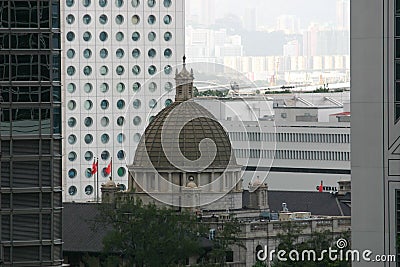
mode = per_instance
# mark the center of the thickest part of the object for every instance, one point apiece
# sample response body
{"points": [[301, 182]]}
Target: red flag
{"points": [[320, 189], [108, 169], [94, 166]]}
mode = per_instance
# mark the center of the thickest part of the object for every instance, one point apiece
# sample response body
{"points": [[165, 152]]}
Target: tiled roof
{"points": [[318, 203], [78, 233]]}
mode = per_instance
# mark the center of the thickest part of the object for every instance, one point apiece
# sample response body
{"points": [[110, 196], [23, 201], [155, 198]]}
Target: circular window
{"points": [[135, 36], [136, 87], [120, 53], [152, 53], [120, 87], [121, 187], [152, 87], [102, 3], [120, 138], [88, 87], [168, 69], [120, 121], [87, 19], [136, 137], [121, 171], [88, 139], [135, 19], [119, 19], [104, 87], [152, 70], [103, 19], [104, 172], [135, 3], [72, 190], [70, 19], [167, 19], [103, 36], [70, 3], [88, 155], [88, 173], [71, 87], [72, 156], [89, 190], [104, 104], [151, 19], [151, 36], [105, 155], [136, 70], [137, 121], [119, 3], [121, 155], [87, 36], [168, 86], [86, 3], [87, 70], [103, 53], [151, 119], [167, 36], [87, 53], [119, 36], [70, 36], [71, 54], [120, 104], [136, 103], [152, 103], [151, 3], [103, 70], [104, 121], [167, 53], [168, 102], [105, 138], [88, 122], [72, 139], [71, 122], [120, 70], [135, 53], [167, 3], [72, 173], [71, 105]]}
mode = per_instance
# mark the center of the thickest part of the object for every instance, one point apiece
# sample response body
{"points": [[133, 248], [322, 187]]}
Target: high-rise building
{"points": [[30, 133], [120, 57], [375, 127], [343, 14]]}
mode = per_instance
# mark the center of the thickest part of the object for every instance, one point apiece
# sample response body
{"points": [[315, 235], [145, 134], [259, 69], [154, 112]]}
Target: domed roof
{"points": [[189, 127]]}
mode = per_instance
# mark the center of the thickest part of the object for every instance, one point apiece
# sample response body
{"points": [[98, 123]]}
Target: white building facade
{"points": [[119, 63], [290, 148]]}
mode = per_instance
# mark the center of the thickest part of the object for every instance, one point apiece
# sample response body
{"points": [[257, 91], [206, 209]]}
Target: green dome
{"points": [[200, 125]]}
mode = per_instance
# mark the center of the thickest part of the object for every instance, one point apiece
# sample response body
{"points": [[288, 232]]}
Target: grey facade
{"points": [[30, 133], [375, 129]]}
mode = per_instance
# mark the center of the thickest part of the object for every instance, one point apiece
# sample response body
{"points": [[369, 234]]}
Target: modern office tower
{"points": [[120, 59], [375, 127], [30, 133]]}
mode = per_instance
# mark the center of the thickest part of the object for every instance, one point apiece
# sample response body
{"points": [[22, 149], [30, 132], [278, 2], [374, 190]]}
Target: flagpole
{"points": [[97, 181], [111, 169], [94, 182]]}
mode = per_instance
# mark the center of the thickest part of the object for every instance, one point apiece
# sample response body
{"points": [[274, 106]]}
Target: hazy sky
{"points": [[321, 11]]}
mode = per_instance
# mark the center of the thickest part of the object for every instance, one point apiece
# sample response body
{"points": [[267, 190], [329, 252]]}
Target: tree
{"points": [[145, 235], [227, 235], [290, 240]]}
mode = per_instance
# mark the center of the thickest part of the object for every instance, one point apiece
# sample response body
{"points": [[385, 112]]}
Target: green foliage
{"points": [[318, 241], [227, 235], [286, 91], [145, 235], [321, 90]]}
